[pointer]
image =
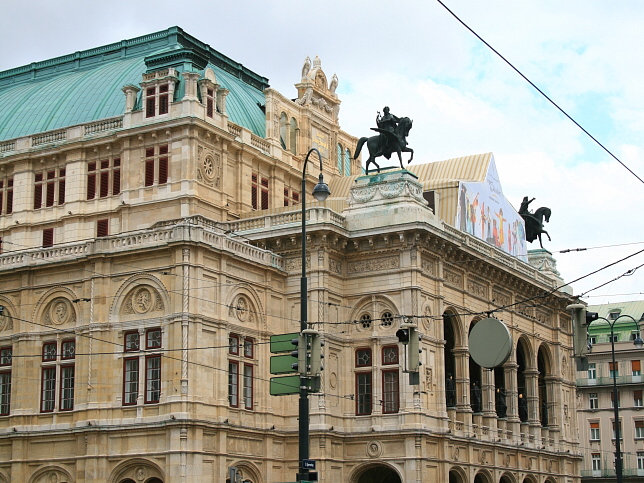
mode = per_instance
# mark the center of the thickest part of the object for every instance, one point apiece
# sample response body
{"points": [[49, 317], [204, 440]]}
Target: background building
{"points": [[595, 392], [151, 239]]}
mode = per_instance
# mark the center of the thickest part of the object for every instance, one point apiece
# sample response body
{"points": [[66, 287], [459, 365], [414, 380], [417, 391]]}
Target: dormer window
{"points": [[210, 102], [6, 196], [613, 314], [157, 100]]}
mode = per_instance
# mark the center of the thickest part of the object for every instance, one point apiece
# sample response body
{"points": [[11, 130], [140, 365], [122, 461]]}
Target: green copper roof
{"points": [[86, 86]]}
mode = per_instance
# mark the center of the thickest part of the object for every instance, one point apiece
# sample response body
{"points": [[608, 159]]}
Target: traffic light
{"points": [[300, 353], [316, 352], [408, 335], [580, 321]]}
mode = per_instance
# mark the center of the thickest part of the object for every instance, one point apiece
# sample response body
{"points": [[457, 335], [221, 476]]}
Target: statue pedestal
{"points": [[385, 199], [542, 260]]}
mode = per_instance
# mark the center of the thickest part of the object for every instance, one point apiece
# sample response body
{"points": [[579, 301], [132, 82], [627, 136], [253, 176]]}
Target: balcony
{"points": [[608, 381]]}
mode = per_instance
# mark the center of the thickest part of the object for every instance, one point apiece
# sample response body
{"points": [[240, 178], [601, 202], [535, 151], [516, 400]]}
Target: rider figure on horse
{"points": [[387, 126]]}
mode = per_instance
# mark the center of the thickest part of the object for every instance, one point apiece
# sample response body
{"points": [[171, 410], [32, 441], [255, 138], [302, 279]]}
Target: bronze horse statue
{"points": [[534, 224], [386, 143]]}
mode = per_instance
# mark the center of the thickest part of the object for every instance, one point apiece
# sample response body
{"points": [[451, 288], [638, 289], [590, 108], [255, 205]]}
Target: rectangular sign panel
{"points": [[282, 386], [283, 364], [282, 342]]}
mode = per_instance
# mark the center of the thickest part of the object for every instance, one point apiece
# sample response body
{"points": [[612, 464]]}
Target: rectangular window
{"points": [[363, 393], [594, 431], [592, 371], [153, 339], [156, 161], [107, 175], [637, 398], [152, 379], [150, 101], [68, 350], [612, 400], [596, 459], [390, 355], [291, 197], [5, 392], [593, 400], [210, 102], [640, 460], [5, 380], [131, 341], [363, 357], [613, 369], [67, 388], [248, 386], [613, 338], [130, 380], [49, 351], [592, 339], [636, 368], [639, 429], [390, 391], [48, 389], [264, 190], [253, 191], [52, 183], [233, 384], [163, 99], [6, 197], [248, 347], [233, 344], [48, 237], [102, 228], [286, 197]]}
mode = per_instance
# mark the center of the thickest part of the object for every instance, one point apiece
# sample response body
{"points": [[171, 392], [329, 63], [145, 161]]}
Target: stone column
{"points": [[130, 92], [532, 390], [221, 100], [462, 379], [190, 85]]}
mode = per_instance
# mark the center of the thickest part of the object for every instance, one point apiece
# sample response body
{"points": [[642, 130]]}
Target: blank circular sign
{"points": [[490, 343]]}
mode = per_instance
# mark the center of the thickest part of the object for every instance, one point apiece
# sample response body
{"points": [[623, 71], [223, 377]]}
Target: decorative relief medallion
{"points": [[241, 308], [59, 312], [142, 300], [564, 365], [427, 317], [374, 449], [140, 473], [333, 380], [373, 264], [6, 322]]}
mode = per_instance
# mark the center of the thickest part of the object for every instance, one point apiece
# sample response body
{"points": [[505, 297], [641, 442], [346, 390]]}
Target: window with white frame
{"points": [[596, 461], [639, 429], [592, 370], [594, 431], [637, 398], [613, 369], [593, 400], [636, 367], [363, 381], [6, 196], [157, 100], [49, 188], [390, 380], [621, 432], [640, 460]]}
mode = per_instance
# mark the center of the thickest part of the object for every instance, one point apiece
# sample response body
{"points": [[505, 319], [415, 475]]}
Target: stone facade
{"points": [[140, 297]]}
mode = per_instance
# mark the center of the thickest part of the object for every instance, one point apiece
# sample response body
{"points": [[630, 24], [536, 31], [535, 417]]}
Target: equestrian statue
{"points": [[393, 132], [534, 221]]}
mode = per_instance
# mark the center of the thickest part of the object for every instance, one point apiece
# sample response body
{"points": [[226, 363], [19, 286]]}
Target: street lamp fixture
{"points": [[320, 192], [637, 342]]}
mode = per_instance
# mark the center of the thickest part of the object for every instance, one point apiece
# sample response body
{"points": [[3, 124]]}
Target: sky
{"points": [[420, 61]]}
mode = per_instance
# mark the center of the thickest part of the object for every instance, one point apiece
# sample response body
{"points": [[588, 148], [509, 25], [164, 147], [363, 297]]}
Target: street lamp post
{"points": [[638, 343], [320, 193]]}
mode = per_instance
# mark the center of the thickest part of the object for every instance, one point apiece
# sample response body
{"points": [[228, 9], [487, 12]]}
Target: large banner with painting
{"points": [[484, 212]]}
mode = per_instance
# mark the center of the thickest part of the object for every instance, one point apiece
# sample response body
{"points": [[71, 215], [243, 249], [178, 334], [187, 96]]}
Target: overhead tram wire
{"points": [[540, 91]]}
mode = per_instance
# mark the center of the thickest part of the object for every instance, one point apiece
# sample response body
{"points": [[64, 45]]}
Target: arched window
{"points": [[340, 158], [347, 163], [293, 135], [283, 130]]}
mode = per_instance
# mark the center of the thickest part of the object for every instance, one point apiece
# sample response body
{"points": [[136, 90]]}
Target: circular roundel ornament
{"points": [[490, 343]]}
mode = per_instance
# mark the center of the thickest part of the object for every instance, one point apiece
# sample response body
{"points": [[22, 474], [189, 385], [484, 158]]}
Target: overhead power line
{"points": [[540, 91]]}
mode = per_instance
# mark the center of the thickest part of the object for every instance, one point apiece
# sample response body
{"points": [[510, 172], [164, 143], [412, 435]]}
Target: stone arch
{"points": [[245, 307], [476, 377], [457, 475], [453, 336], [51, 474], [284, 127], [140, 296], [137, 469], [376, 307], [458, 327], [292, 132], [3, 477], [524, 360], [507, 478], [210, 75], [529, 479], [248, 472], [376, 473], [544, 369], [55, 308], [483, 476], [7, 324], [550, 479]]}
